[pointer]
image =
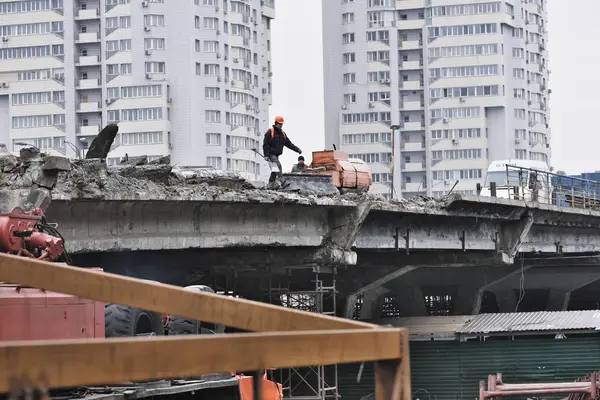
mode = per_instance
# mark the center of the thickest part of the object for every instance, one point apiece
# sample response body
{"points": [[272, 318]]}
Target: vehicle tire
{"points": [[185, 326], [122, 321]]}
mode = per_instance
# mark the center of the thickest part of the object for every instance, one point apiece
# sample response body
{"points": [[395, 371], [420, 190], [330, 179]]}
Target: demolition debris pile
{"points": [[33, 179]]}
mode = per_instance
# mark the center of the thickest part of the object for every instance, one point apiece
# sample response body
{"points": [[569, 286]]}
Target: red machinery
{"points": [[586, 389], [29, 313], [35, 314]]}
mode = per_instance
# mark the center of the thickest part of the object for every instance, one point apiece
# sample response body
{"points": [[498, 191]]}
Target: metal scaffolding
{"points": [[316, 382]]}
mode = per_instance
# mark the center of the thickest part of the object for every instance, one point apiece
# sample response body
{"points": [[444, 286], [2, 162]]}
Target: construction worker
{"points": [[301, 166], [273, 143]]}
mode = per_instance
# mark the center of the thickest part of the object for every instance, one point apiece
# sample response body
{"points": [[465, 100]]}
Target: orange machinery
{"points": [[348, 174]]}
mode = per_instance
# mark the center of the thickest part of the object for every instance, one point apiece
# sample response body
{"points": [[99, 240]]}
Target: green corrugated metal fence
{"points": [[452, 370]]}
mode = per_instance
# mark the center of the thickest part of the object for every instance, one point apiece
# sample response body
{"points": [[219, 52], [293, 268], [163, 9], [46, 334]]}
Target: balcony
{"points": [[91, 13], [408, 4], [267, 8], [413, 187], [413, 146], [88, 130], [414, 105], [412, 126], [89, 107], [412, 65], [411, 85], [410, 45], [88, 37], [88, 84], [409, 24], [85, 61], [413, 166]]}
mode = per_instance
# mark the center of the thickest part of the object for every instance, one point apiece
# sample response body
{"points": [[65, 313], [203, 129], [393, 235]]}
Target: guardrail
{"points": [[291, 338], [529, 184]]}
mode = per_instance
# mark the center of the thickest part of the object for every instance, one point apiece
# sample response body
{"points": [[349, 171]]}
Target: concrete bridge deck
{"points": [[158, 224]]}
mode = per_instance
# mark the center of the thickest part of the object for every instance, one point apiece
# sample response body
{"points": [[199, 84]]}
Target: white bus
{"points": [[515, 183]]}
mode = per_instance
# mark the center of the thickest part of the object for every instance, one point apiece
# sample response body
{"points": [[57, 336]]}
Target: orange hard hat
{"points": [[279, 119]]}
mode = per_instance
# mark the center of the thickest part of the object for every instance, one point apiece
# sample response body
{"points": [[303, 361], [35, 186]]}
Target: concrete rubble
{"points": [[33, 179]]}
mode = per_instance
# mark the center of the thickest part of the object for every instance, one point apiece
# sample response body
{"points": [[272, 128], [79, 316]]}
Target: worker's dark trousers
{"points": [[275, 175]]}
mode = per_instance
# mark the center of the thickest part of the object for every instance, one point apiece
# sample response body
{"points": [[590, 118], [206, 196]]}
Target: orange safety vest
{"points": [[273, 133]]}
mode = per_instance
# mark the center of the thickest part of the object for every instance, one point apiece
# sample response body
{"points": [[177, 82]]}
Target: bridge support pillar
{"points": [[372, 303], [344, 223], [465, 300], [558, 300], [511, 237], [507, 300]]}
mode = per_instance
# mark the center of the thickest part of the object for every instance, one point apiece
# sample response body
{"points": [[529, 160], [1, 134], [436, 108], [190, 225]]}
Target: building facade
{"points": [[462, 82], [186, 78]]}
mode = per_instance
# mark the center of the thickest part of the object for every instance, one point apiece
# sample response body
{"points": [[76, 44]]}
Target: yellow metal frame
{"points": [[290, 338]]}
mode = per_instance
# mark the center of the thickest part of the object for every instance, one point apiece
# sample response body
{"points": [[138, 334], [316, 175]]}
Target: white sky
{"points": [[298, 80]]}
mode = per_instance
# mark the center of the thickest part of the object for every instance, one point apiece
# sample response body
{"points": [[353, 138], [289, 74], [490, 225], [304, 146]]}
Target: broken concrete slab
{"points": [[55, 163], [37, 198], [29, 153], [102, 143]]}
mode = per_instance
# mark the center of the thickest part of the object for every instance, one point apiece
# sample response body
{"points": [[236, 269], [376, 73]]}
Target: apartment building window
{"points": [[465, 9], [348, 18], [21, 99], [129, 92], [198, 69], [349, 78], [350, 98], [125, 22], [459, 72], [42, 143], [464, 51], [14, 53], [211, 23], [520, 113], [137, 138], [39, 28], [113, 93], [212, 93], [114, 115], [212, 116], [518, 52], [465, 133], [462, 30], [462, 174], [126, 69], [470, 91], [32, 121], [154, 44], [517, 33], [348, 38], [154, 20], [462, 154], [29, 6], [520, 154], [377, 76], [378, 96], [214, 162], [155, 67], [521, 134], [378, 56], [125, 44], [365, 118], [142, 114], [209, 2], [211, 46], [457, 112], [211, 69], [197, 22], [213, 139], [519, 93], [367, 138], [534, 155], [349, 58], [518, 73]]}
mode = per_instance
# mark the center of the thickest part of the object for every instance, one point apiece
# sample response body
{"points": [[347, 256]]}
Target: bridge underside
{"points": [[382, 283], [464, 257]]}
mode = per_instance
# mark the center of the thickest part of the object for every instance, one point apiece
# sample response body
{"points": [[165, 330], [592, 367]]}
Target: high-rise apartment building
{"points": [[189, 78], [464, 82]]}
